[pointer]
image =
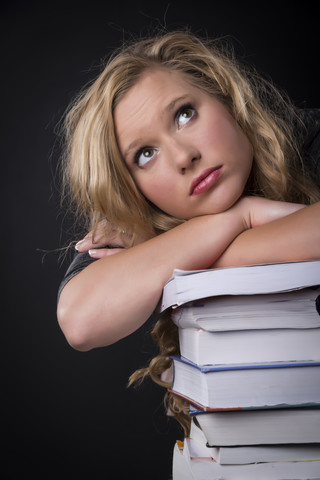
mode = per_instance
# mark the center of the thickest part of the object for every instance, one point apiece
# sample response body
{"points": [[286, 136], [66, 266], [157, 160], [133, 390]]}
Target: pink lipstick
{"points": [[208, 178]]}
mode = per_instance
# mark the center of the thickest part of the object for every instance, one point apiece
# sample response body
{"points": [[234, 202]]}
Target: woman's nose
{"points": [[183, 155]]}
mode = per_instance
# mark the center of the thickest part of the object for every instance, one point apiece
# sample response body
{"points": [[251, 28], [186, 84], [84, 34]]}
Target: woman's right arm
{"points": [[115, 295]]}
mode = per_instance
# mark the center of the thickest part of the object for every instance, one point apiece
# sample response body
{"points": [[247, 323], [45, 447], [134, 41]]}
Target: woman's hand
{"points": [[105, 241], [259, 211], [288, 237]]}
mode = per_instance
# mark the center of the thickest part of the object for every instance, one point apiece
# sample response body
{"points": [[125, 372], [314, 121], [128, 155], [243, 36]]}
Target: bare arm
{"points": [[116, 295], [292, 238]]}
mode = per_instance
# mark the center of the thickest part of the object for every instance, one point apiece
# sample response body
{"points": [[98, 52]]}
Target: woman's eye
{"points": [[184, 115], [144, 156]]}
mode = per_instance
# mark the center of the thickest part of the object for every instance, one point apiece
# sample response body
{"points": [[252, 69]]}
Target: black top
{"points": [[310, 151]]}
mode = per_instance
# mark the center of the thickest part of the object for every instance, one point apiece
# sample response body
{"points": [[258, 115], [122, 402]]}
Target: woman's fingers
{"points": [[106, 234], [104, 252]]}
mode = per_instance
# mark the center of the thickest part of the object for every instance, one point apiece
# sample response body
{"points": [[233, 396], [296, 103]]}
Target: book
{"points": [[250, 370], [240, 455], [186, 286], [259, 427], [294, 309], [190, 463], [249, 346], [240, 386], [181, 469]]}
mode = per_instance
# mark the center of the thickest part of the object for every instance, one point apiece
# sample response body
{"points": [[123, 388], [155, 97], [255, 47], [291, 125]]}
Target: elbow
{"points": [[75, 328]]}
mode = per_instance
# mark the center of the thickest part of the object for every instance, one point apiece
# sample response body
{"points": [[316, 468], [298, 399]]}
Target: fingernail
{"points": [[78, 244], [92, 252]]}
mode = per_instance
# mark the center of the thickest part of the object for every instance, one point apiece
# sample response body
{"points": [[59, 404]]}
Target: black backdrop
{"points": [[68, 413]]}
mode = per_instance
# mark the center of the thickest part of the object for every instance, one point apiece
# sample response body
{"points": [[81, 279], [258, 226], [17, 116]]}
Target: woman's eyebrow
{"points": [[132, 146], [172, 104], [167, 108]]}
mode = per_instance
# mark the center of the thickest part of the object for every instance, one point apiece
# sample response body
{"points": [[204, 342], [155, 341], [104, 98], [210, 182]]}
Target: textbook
{"points": [[249, 346], [240, 455], [190, 464], [241, 386], [294, 309], [254, 427], [186, 286]]}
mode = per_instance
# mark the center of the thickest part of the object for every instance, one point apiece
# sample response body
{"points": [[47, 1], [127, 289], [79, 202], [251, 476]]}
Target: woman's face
{"points": [[184, 150]]}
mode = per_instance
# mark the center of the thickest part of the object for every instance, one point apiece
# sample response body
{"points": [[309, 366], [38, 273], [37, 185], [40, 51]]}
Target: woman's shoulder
{"points": [[80, 262]]}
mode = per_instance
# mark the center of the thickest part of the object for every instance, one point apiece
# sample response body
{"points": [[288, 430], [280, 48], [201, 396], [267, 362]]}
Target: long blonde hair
{"points": [[100, 185], [95, 175]]}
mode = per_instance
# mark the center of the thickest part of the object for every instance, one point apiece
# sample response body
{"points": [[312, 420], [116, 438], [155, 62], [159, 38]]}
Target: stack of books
{"points": [[250, 370]]}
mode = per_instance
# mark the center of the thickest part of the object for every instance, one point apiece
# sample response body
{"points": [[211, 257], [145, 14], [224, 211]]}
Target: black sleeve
{"points": [[79, 262]]}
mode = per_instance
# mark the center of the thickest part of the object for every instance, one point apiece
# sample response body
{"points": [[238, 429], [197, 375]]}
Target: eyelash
{"points": [[187, 106]]}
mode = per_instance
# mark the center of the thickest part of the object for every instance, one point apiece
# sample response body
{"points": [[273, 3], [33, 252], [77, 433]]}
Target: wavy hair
{"points": [[98, 181]]}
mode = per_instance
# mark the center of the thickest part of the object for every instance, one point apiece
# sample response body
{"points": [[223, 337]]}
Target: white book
{"points": [[202, 467], [249, 346], [239, 455], [186, 286], [295, 309], [247, 386], [259, 427], [180, 467]]}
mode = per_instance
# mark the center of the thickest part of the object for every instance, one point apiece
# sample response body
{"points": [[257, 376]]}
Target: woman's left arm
{"points": [[292, 238]]}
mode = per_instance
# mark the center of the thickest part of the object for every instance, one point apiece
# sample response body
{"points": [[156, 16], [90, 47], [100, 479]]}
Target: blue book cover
{"points": [[245, 366], [244, 386]]}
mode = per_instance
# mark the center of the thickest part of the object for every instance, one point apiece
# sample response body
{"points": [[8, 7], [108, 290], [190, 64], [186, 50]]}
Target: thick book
{"points": [[186, 286], [249, 346], [294, 309], [240, 455], [267, 385], [259, 427], [190, 464]]}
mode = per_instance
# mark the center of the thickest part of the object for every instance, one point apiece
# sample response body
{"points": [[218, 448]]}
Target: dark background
{"points": [[66, 413]]}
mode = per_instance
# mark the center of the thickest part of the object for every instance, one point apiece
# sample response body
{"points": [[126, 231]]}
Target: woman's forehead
{"points": [[155, 94], [156, 84], [157, 76]]}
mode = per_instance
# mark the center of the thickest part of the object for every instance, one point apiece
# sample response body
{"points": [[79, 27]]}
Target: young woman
{"points": [[188, 161]]}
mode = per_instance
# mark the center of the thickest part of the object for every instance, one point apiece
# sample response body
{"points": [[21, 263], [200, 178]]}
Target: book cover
{"points": [[262, 426], [277, 384], [192, 462], [186, 286], [249, 346], [244, 454], [294, 309]]}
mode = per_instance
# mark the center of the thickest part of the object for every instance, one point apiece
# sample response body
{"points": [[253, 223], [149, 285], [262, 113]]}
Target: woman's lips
{"points": [[205, 180]]}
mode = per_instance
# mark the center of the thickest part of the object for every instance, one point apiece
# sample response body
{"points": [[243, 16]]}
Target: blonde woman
{"points": [[179, 158]]}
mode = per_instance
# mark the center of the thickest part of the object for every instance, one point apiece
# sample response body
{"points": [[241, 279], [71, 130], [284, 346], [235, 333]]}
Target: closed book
{"points": [[240, 455], [181, 469], [259, 427], [248, 386], [190, 462], [249, 346], [294, 309], [186, 286]]}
